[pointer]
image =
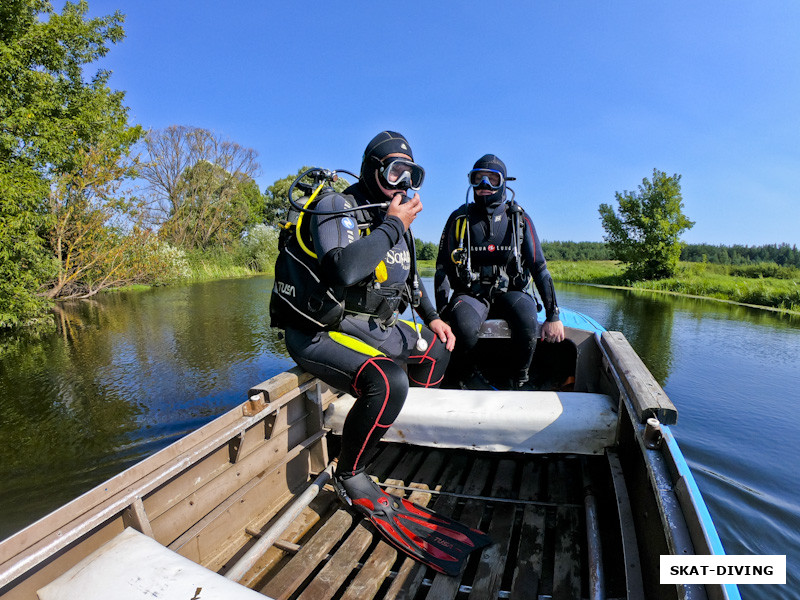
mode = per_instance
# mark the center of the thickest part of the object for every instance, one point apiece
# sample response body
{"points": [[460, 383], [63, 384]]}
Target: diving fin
{"points": [[434, 540]]}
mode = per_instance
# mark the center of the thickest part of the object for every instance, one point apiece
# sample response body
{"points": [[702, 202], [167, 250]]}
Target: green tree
{"points": [[425, 250], [98, 235], [646, 233], [201, 186], [50, 110]]}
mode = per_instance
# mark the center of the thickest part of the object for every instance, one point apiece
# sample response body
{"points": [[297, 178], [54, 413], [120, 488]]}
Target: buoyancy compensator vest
{"points": [[302, 297], [486, 267]]}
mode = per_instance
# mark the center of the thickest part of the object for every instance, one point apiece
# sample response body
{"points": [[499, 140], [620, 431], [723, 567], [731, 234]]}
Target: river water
{"points": [[131, 372]]}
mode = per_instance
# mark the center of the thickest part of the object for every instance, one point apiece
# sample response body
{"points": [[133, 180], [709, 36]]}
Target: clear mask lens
{"points": [[403, 174], [487, 177]]}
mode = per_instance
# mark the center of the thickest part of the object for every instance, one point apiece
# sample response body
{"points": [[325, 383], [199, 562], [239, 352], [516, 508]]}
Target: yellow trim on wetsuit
{"points": [[300, 220], [348, 341], [413, 325]]}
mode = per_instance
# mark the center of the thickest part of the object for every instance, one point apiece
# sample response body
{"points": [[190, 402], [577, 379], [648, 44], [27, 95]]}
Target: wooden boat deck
{"points": [[532, 507]]}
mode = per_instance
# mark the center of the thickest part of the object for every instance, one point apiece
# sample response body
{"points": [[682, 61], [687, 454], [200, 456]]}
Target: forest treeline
{"points": [[90, 201], [783, 255]]}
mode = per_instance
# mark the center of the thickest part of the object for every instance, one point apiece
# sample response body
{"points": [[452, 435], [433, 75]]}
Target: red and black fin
{"points": [[433, 539]]}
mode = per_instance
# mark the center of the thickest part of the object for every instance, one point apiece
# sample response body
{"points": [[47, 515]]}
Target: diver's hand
{"points": [[553, 331], [444, 333], [405, 211]]}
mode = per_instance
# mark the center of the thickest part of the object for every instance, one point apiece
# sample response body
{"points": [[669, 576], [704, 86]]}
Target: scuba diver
{"points": [[488, 252], [364, 255]]}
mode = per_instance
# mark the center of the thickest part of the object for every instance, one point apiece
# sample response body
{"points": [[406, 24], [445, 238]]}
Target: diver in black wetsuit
{"points": [[488, 252], [369, 253]]}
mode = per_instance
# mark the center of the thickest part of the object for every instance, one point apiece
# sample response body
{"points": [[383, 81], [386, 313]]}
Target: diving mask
{"points": [[486, 178], [402, 174]]}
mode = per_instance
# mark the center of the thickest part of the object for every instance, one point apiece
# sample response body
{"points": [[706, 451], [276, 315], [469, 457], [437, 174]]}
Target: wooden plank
{"points": [[443, 586], [220, 535], [489, 575], [567, 568], [402, 471], [320, 506], [200, 501], [567, 571], [217, 462], [630, 547], [281, 384], [530, 553], [646, 395], [432, 465], [380, 465], [327, 582], [302, 564], [372, 575], [411, 573], [135, 516]]}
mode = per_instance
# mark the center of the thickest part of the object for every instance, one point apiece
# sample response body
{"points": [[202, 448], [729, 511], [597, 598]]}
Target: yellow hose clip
{"points": [[457, 256], [313, 197]]}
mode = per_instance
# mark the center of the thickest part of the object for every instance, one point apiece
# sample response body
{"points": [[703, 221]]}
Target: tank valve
{"points": [[652, 433]]}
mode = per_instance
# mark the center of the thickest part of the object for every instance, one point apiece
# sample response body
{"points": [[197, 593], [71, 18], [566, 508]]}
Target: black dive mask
{"points": [[401, 174], [393, 173]]}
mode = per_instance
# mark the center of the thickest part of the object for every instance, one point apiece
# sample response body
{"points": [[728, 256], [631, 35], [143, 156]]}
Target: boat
{"points": [[579, 482]]}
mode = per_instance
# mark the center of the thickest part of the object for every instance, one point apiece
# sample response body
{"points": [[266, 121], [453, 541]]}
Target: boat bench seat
{"points": [[532, 422], [133, 566]]}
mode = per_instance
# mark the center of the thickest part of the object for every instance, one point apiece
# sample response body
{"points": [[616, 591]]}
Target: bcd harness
{"points": [[486, 280], [301, 296]]}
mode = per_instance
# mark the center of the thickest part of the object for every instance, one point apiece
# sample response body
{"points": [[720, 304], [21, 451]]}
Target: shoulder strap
{"points": [[518, 226]]}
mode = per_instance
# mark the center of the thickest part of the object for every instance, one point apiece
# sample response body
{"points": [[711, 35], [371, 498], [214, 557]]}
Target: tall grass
{"points": [[254, 254], [764, 284]]}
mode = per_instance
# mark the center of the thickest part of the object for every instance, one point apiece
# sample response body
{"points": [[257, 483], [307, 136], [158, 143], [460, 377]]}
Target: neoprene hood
{"points": [[490, 161], [379, 147]]}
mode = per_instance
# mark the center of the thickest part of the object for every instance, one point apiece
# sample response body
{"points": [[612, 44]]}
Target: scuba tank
{"points": [[301, 295]]}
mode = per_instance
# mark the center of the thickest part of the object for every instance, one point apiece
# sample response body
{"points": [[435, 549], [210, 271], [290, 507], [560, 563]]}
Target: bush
{"points": [[170, 264], [258, 248]]}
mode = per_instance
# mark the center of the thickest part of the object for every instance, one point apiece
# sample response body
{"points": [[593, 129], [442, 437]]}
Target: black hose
{"points": [[326, 174]]}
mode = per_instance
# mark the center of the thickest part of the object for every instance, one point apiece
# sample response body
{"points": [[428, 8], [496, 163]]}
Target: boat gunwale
{"points": [[108, 499]]}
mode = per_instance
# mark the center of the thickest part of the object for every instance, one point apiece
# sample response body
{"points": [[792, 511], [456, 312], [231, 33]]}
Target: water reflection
{"points": [[123, 376], [128, 373]]}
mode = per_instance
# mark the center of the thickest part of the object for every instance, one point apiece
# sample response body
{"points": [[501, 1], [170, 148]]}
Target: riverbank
{"points": [[762, 286]]}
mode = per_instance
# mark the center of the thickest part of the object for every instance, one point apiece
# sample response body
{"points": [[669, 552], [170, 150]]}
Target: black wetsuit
{"points": [[364, 355], [497, 287]]}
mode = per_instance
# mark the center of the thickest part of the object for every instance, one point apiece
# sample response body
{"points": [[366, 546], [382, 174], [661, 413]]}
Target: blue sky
{"points": [[580, 98]]}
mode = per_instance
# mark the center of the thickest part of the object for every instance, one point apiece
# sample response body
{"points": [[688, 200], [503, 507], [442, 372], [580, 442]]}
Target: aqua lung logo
{"points": [[285, 288], [490, 248]]}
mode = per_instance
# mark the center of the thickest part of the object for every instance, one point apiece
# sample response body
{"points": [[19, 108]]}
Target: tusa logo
{"points": [[285, 289]]}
